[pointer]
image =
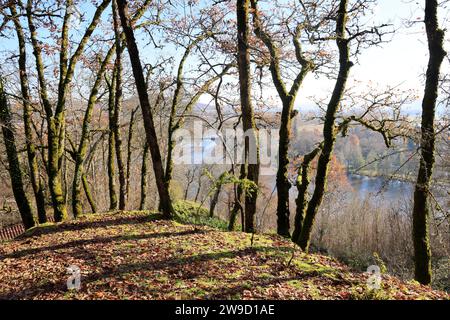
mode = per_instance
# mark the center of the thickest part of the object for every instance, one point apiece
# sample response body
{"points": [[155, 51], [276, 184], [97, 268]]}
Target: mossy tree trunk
{"points": [[87, 191], [421, 210], [163, 191], [36, 181], [199, 186], [282, 180], [56, 118], [303, 182], [190, 177], [251, 148], [287, 98], [237, 205], [113, 201], [329, 132], [118, 137], [80, 153], [214, 201], [112, 140], [54, 183], [15, 172]]}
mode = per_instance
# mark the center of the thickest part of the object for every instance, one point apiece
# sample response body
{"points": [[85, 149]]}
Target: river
{"points": [[388, 189]]}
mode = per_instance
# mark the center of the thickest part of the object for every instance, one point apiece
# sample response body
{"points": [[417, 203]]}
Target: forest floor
{"points": [[137, 255]]}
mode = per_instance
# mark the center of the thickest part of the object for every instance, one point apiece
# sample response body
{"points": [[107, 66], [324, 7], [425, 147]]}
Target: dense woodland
{"points": [[93, 93]]}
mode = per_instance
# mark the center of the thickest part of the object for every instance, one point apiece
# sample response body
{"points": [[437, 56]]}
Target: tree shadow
{"points": [[100, 240], [117, 271], [229, 292], [77, 225], [219, 293]]}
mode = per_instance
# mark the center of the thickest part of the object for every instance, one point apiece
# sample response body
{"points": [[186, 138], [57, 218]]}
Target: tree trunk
{"points": [[329, 132], [14, 169], [118, 141], [80, 154], [144, 177], [190, 180], [87, 191], [287, 98], [199, 187], [237, 206], [112, 146], [53, 172], [282, 181], [117, 112], [214, 201], [251, 150], [165, 201], [302, 188], [56, 119], [36, 181], [130, 150], [421, 210]]}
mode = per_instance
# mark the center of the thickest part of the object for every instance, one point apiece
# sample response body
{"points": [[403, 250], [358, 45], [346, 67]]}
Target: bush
{"points": [[190, 212]]}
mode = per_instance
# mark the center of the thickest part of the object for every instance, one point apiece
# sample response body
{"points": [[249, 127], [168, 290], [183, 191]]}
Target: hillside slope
{"points": [[135, 255]]}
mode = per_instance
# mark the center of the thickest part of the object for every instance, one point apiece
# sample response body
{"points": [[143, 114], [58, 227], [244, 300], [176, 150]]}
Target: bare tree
{"points": [[15, 172], [251, 149], [35, 178], [287, 96], [346, 31], [165, 201], [421, 210], [56, 116]]}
